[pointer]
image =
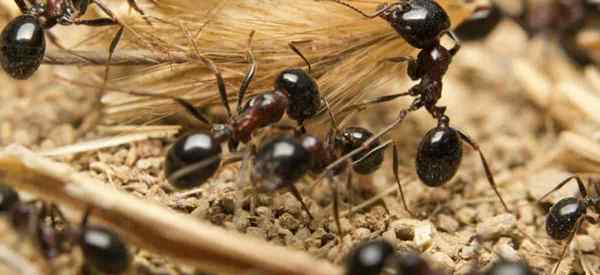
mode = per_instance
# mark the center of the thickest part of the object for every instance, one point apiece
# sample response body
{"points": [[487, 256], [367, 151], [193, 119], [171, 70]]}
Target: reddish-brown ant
{"points": [[195, 157], [566, 215], [22, 42], [422, 23]]}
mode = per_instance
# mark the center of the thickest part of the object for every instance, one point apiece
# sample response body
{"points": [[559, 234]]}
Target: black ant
{"points": [[22, 42], [422, 23], [103, 250], [563, 18], [567, 215], [193, 158]]}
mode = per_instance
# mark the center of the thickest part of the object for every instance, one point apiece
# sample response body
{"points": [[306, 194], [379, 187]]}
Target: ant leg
{"points": [[395, 170], [564, 249], [182, 172], [336, 203], [373, 101], [297, 51], [582, 189], [22, 6], [86, 217], [376, 14], [486, 168], [213, 68], [297, 195], [350, 191], [133, 4], [249, 74], [457, 43]]}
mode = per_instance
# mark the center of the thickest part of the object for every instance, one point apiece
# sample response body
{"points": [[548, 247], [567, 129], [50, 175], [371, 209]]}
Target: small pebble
{"points": [[501, 225]]}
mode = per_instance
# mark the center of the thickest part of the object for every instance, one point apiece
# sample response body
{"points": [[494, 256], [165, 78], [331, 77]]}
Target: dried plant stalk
{"points": [[345, 49], [153, 227]]}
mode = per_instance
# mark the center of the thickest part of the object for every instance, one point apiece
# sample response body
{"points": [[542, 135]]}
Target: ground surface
{"points": [[486, 97]]}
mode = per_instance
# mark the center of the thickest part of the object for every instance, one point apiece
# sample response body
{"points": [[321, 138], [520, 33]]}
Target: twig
{"points": [[151, 226], [16, 262], [120, 58]]}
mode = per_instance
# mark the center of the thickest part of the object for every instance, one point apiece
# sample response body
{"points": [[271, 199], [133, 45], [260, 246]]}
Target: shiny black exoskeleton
{"points": [[303, 94], [22, 42], [504, 267], [22, 46], [280, 163], [352, 138], [193, 149], [294, 92], [104, 250], [369, 258], [419, 22], [480, 24], [563, 216], [439, 155], [566, 215]]}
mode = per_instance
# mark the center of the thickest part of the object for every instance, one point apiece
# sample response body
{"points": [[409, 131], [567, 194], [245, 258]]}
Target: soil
{"points": [[486, 98]]}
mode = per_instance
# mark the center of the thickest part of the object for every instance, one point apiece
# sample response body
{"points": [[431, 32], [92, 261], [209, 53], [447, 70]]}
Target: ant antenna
{"points": [[212, 67], [376, 14], [582, 189], [297, 51], [249, 74]]}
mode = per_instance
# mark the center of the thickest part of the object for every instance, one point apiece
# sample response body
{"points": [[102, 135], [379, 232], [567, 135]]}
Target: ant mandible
{"points": [[567, 215], [422, 23], [22, 42]]}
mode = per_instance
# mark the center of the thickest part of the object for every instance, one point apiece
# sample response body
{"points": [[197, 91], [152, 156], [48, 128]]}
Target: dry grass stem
{"points": [[150, 226]]}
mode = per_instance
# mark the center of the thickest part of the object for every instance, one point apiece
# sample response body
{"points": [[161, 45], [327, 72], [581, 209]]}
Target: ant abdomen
{"points": [[280, 162], [190, 149], [22, 46], [439, 155], [419, 22], [104, 250], [563, 217], [480, 24], [302, 91], [352, 138]]}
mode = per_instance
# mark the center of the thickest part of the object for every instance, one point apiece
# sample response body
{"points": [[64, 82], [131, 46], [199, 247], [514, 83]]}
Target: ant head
{"points": [[369, 258], [8, 198], [302, 91], [504, 267], [563, 217], [280, 162], [438, 156], [480, 24], [197, 152], [419, 22], [104, 250], [352, 138], [412, 264], [23, 32]]}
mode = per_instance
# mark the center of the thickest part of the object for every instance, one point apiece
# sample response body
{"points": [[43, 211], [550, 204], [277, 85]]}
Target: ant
{"points": [[195, 157], [373, 257], [563, 18], [567, 215], [440, 151], [22, 42], [103, 249]]}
